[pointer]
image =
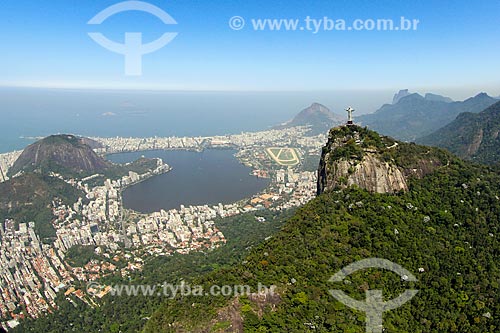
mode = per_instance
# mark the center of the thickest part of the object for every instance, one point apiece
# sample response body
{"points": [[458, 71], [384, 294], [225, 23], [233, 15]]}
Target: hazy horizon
{"points": [[39, 112], [369, 103], [223, 74]]}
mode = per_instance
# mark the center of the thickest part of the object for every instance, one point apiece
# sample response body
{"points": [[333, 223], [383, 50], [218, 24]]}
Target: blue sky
{"points": [[455, 48]]}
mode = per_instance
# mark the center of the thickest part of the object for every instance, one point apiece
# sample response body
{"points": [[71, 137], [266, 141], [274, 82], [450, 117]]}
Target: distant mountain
{"points": [[318, 116], [65, 154], [428, 96], [415, 116], [437, 98], [400, 94], [472, 136]]}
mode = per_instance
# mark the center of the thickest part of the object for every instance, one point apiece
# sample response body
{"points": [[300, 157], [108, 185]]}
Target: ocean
{"points": [[26, 112]]}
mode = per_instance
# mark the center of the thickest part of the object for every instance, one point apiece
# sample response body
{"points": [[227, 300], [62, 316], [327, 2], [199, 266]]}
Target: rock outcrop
{"points": [[370, 173], [358, 156], [65, 154], [400, 94]]}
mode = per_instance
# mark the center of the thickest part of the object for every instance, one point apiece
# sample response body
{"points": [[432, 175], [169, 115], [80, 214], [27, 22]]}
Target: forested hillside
{"points": [[444, 230]]}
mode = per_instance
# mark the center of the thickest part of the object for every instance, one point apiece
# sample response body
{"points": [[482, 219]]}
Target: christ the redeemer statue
{"points": [[349, 110]]}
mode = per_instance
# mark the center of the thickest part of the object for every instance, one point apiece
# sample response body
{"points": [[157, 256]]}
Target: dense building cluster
{"points": [[33, 273], [6, 161], [284, 137]]}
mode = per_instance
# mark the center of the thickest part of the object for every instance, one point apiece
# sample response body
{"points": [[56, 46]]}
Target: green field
{"points": [[284, 156]]}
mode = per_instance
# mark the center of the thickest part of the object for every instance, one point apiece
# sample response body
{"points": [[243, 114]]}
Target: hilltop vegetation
{"points": [[117, 171], [29, 198], [358, 156]]}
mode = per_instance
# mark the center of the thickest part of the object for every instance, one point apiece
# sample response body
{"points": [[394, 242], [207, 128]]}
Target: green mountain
{"points": [[28, 195], [318, 116], [473, 136], [414, 116], [443, 228], [65, 154], [28, 198]]}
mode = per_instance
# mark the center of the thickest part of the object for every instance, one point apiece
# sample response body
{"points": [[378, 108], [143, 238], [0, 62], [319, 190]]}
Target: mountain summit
{"points": [[357, 156], [415, 116], [400, 94], [66, 154], [318, 116], [428, 96]]}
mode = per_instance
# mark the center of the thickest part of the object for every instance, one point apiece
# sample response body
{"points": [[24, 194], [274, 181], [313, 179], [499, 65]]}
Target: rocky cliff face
{"points": [[357, 156], [65, 154], [400, 94], [370, 173]]}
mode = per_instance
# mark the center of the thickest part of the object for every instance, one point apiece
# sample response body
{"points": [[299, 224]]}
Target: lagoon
{"points": [[197, 178]]}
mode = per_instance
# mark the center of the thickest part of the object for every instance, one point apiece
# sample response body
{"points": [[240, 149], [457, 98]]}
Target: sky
{"points": [[454, 51]]}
